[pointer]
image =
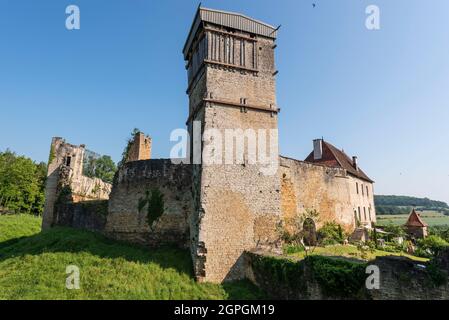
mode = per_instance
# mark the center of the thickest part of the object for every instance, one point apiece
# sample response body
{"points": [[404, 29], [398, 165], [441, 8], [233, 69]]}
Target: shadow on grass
{"points": [[74, 241], [68, 240], [243, 290]]}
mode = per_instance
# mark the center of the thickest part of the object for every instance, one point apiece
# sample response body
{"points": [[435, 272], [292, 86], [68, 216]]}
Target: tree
{"points": [[22, 183], [103, 168]]}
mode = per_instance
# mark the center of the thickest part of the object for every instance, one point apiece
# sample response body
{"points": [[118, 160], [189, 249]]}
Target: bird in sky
{"points": [[314, 5]]}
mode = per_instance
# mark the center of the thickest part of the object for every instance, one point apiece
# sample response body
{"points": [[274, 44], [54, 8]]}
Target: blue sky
{"points": [[382, 95]]}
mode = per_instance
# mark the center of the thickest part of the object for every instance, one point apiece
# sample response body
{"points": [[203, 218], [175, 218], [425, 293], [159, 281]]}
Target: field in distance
{"points": [[432, 218]]}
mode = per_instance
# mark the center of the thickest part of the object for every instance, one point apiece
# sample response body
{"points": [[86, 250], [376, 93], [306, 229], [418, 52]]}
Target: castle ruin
{"points": [[219, 211]]}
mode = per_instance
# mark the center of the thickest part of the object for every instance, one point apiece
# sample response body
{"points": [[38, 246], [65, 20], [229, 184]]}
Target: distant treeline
{"points": [[404, 204]]}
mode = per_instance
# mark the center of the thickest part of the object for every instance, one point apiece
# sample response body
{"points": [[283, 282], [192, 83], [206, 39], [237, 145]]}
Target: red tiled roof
{"points": [[414, 220], [333, 157]]}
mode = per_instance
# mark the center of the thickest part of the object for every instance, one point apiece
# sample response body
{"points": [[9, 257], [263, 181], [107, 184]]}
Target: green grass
{"points": [[19, 226], [33, 266], [351, 251], [432, 218]]}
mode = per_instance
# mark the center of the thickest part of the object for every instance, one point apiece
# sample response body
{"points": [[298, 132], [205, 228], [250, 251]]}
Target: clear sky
{"points": [[381, 95]]}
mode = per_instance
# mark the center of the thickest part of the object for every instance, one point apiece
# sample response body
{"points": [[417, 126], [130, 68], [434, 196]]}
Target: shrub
{"points": [[393, 232], [430, 246], [338, 278], [441, 231], [331, 233]]}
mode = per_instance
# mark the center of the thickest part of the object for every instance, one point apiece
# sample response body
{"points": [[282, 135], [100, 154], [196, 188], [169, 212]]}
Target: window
{"points": [[68, 161], [367, 193], [242, 53], [364, 213], [369, 212], [363, 192], [357, 187], [360, 214]]}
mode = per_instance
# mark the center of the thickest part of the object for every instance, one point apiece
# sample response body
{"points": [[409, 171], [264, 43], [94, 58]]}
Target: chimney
{"points": [[317, 149], [355, 163]]}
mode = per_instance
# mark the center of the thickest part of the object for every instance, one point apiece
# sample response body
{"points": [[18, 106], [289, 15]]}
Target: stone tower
{"points": [[231, 88], [61, 154], [140, 148]]}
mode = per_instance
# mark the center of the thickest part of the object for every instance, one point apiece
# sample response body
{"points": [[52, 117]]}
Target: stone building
{"points": [[66, 181], [231, 85], [415, 226], [331, 183], [218, 209]]}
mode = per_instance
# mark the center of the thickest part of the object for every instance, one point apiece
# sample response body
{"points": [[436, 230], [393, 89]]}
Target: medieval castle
{"points": [[219, 211]]}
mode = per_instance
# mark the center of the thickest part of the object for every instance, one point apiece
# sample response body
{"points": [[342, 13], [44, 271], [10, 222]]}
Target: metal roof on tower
{"points": [[228, 19]]}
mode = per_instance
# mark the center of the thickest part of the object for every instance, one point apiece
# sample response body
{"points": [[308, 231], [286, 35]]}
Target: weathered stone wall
{"points": [[330, 191], [400, 279], [88, 215], [240, 204], [65, 174], [134, 183], [405, 279]]}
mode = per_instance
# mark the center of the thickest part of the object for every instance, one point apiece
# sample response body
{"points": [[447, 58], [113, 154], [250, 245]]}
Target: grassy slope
{"points": [[33, 265]]}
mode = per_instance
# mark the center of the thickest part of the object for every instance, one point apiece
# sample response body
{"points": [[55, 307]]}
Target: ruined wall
{"points": [[140, 148], [330, 191], [400, 278], [405, 279], [65, 175], [128, 215]]}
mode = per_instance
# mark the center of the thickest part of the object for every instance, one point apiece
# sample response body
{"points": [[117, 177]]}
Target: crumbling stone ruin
{"points": [[66, 182], [140, 149], [217, 210]]}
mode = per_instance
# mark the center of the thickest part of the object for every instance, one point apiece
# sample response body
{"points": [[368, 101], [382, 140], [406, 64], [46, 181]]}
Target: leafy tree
{"points": [[22, 184], [441, 231], [431, 246], [103, 168]]}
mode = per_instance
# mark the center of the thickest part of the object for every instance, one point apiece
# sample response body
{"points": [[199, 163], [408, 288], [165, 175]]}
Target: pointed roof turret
{"points": [[414, 220]]}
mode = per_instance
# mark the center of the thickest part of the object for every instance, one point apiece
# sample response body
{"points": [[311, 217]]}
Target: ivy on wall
{"points": [[52, 155], [336, 278], [129, 143], [154, 201]]}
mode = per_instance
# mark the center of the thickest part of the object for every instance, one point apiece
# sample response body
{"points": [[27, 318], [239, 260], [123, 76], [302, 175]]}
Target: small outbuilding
{"points": [[415, 226]]}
